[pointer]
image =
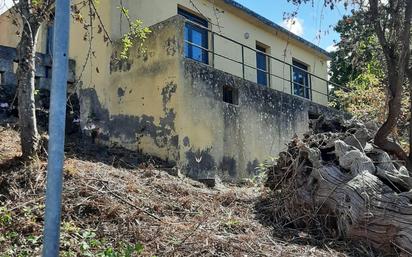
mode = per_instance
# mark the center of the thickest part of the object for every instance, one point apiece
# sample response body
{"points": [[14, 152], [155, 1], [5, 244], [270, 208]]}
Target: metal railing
{"points": [[329, 85]]}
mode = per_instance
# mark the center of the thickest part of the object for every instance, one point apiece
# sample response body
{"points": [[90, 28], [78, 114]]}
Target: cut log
{"points": [[339, 174]]}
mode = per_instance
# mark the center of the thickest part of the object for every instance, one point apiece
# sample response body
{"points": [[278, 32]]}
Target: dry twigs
{"points": [[336, 183], [125, 205]]}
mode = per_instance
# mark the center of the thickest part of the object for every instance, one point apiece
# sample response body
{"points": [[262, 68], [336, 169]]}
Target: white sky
{"points": [[294, 25], [5, 5]]}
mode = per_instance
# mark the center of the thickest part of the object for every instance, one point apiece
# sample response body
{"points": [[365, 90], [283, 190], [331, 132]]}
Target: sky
{"points": [[309, 20], [4, 5]]}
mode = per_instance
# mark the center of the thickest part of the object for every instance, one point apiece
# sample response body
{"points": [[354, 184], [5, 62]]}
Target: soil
{"points": [[124, 198]]}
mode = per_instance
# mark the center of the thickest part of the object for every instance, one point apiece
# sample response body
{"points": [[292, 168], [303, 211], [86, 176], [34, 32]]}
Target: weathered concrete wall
{"points": [[224, 18], [161, 104], [137, 106], [232, 139], [10, 33], [92, 58], [234, 23]]}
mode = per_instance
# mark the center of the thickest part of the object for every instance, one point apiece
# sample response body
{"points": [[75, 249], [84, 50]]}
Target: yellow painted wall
{"points": [[92, 61], [223, 19], [148, 103], [137, 107], [10, 34], [234, 24], [96, 71]]}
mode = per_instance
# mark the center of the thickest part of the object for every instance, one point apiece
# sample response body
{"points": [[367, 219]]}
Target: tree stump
{"points": [[364, 193]]}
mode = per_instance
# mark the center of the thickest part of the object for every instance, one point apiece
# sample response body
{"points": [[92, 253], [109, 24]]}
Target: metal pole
{"points": [[56, 129]]}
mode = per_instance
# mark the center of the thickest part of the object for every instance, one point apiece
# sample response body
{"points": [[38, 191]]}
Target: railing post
{"points": [[243, 62], [310, 86], [327, 91], [268, 71], [291, 79], [213, 48]]}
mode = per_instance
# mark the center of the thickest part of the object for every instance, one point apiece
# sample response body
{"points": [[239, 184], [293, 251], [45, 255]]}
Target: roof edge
{"points": [[272, 24]]}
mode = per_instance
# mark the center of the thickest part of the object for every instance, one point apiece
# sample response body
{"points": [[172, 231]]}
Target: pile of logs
{"points": [[335, 174]]}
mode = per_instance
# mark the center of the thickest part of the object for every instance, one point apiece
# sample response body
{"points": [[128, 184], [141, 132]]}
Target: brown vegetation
{"points": [[107, 208]]}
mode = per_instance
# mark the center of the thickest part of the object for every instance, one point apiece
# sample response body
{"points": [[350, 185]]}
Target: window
{"points": [[48, 72], [301, 80], [262, 65], [230, 95], [1, 78], [49, 40], [196, 37]]}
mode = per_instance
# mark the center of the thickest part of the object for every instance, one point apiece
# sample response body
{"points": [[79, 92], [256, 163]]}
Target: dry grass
{"points": [[169, 216]]}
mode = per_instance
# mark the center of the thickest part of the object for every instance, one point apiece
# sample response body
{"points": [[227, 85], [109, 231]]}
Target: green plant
{"points": [[125, 250], [5, 216], [136, 31]]}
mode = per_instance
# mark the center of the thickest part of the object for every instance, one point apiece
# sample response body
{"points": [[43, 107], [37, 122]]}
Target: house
{"points": [[217, 89]]}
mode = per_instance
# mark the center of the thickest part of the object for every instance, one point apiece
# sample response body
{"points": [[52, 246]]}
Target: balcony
{"points": [[254, 64]]}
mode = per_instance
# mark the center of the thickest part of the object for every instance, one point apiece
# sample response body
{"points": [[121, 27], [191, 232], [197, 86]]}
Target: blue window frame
{"points": [[262, 66], [301, 80], [196, 37]]}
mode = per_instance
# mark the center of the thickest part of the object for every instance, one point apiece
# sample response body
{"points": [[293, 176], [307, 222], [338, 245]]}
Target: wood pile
{"points": [[336, 179]]}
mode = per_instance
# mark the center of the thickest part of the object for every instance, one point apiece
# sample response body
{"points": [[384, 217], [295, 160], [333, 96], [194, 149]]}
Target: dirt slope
{"points": [[135, 211]]}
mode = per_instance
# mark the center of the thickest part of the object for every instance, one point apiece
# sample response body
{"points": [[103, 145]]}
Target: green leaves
{"points": [[5, 217], [137, 32], [126, 250]]}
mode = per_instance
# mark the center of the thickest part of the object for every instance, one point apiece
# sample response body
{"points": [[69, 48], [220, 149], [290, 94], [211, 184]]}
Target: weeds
{"points": [[122, 212]]}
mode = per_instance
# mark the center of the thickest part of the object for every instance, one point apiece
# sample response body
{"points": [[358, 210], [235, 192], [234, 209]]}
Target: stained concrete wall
{"points": [[10, 33], [223, 17], [230, 140], [138, 109], [234, 23], [162, 104]]}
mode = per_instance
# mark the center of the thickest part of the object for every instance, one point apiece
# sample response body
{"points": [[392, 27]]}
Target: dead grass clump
{"points": [[135, 211]]}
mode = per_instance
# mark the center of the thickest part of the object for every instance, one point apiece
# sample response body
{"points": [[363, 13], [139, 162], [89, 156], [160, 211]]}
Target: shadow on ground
{"points": [[82, 147], [287, 232]]}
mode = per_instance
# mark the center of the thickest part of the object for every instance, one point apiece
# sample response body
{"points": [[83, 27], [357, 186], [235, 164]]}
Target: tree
{"points": [[358, 63], [31, 14], [357, 50], [28, 16], [391, 23]]}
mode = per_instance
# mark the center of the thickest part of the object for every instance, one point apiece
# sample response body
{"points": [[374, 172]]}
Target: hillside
{"points": [[115, 207]]}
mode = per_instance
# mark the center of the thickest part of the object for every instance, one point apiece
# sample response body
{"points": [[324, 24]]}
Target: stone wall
{"points": [[8, 65]]}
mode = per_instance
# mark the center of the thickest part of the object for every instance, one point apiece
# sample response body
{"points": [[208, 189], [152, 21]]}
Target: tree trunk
{"points": [[396, 49], [409, 73], [26, 90], [395, 81], [342, 183]]}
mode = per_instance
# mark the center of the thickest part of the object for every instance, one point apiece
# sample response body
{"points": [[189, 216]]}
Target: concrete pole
{"points": [[57, 129]]}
